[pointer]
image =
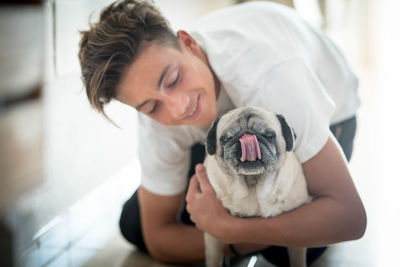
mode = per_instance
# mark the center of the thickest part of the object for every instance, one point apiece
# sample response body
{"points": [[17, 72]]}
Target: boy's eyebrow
{"points": [[163, 73], [138, 107]]}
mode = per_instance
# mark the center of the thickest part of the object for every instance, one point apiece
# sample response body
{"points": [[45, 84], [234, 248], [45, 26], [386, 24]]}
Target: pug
{"points": [[252, 167]]}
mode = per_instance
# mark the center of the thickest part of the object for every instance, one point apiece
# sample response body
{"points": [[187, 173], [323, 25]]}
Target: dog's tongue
{"points": [[250, 148]]}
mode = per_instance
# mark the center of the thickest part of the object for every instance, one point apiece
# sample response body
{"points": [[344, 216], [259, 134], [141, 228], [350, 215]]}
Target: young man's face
{"points": [[170, 86]]}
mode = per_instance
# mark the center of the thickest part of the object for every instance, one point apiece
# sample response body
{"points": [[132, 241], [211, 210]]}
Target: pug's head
{"points": [[250, 141]]}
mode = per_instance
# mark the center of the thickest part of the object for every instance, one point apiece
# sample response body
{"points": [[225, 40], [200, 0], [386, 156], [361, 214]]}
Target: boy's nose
{"points": [[179, 105]]}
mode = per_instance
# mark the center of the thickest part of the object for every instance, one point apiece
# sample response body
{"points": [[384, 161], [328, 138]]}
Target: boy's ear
{"points": [[186, 40], [288, 133], [211, 141]]}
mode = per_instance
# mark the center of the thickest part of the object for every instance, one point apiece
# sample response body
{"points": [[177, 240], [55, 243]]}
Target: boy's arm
{"points": [[336, 213], [166, 239]]}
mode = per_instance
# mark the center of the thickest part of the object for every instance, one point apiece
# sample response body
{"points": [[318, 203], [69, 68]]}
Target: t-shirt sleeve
{"points": [[292, 89], [164, 162]]}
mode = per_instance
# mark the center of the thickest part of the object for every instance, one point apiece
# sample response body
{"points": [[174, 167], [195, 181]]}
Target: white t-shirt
{"points": [[264, 55]]}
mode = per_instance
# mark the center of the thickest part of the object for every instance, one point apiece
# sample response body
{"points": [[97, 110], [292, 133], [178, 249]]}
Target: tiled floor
{"points": [[374, 164]]}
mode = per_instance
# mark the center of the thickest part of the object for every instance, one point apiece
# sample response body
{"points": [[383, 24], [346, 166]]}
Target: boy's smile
{"points": [[171, 86]]}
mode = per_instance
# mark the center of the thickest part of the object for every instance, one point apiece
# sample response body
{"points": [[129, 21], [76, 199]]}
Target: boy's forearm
{"points": [[178, 243], [185, 244], [321, 222]]}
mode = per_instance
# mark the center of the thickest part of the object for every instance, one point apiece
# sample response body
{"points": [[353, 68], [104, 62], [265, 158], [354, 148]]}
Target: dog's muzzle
{"points": [[251, 153]]}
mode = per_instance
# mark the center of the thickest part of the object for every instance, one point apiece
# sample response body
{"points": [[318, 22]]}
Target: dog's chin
{"points": [[251, 168]]}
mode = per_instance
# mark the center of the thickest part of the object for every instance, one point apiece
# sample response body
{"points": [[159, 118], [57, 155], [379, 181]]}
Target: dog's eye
{"points": [[224, 139], [271, 136]]}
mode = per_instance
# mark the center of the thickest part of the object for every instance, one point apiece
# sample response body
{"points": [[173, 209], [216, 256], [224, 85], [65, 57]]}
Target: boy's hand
{"points": [[205, 209]]}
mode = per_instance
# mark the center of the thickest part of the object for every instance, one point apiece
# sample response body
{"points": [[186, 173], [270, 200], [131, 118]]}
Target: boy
{"points": [[257, 54]]}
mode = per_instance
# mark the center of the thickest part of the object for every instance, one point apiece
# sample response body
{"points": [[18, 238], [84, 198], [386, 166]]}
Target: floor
{"points": [[376, 57]]}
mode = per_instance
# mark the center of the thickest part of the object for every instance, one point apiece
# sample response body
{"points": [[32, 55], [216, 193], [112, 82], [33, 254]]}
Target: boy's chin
{"points": [[207, 121]]}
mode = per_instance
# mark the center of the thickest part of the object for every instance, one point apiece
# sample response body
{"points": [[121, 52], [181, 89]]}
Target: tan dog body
{"points": [[267, 188]]}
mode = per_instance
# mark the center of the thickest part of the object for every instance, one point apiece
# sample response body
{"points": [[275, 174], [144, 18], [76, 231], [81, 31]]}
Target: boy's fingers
{"points": [[194, 187], [201, 175]]}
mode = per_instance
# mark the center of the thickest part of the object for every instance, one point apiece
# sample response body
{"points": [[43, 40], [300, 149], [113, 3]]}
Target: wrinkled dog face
{"points": [[250, 141]]}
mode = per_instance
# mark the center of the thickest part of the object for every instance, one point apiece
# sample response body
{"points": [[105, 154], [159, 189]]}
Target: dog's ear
{"points": [[211, 141], [287, 132]]}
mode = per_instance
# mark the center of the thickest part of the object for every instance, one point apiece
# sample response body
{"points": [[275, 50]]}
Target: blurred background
{"points": [[65, 171]]}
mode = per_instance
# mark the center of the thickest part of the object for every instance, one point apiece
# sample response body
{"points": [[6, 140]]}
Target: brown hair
{"points": [[113, 43]]}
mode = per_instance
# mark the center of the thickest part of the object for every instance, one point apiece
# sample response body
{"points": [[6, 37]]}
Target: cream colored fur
{"points": [[274, 193]]}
